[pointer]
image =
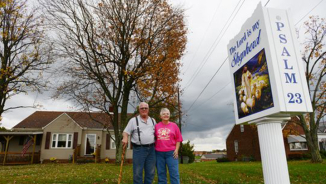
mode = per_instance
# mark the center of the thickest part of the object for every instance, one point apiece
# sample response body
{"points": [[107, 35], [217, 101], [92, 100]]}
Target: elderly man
{"points": [[141, 129]]}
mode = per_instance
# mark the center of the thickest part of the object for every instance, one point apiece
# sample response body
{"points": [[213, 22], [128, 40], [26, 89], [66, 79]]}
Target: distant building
{"points": [[200, 153], [212, 156], [242, 143], [322, 135]]}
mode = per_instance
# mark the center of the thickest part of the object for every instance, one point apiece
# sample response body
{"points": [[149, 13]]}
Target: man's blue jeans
{"points": [[164, 159], [143, 159]]}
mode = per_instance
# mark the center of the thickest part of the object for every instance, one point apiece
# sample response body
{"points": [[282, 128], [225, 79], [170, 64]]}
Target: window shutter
{"points": [[108, 141], [75, 140], [47, 140]]}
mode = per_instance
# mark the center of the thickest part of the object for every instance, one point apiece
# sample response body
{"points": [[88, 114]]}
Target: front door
{"points": [[90, 144]]}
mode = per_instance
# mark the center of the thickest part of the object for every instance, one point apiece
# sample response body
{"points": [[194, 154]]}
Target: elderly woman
{"points": [[168, 138]]}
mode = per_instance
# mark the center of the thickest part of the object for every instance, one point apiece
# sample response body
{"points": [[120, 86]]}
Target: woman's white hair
{"points": [[163, 110]]}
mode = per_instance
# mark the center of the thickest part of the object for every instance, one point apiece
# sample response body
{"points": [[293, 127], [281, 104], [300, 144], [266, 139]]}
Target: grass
{"points": [[204, 172]]}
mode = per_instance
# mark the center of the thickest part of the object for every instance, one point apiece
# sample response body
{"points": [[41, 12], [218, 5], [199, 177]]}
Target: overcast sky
{"points": [[208, 121]]}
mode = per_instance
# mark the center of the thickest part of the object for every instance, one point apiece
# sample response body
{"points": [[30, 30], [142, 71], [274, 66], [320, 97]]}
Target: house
{"points": [[61, 135], [322, 135], [212, 156], [243, 143], [199, 153]]}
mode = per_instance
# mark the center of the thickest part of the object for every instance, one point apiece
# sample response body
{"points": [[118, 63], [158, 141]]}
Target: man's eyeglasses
{"points": [[144, 108]]}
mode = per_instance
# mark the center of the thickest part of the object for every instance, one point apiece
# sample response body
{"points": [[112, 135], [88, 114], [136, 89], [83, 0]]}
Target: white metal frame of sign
{"points": [[266, 68], [269, 83]]}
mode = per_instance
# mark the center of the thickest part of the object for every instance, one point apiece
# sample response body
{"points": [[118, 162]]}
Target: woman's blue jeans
{"points": [[164, 159], [143, 159]]}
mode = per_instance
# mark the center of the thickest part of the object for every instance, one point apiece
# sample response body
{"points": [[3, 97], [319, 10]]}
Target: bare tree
{"points": [[314, 57], [112, 48], [23, 54]]}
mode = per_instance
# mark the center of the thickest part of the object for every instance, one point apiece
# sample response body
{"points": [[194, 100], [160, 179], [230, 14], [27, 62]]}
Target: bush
{"points": [[222, 159], [188, 150], [323, 154], [245, 158], [304, 156]]}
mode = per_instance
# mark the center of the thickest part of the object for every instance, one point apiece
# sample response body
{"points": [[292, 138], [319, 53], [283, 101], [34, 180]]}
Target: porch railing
{"points": [[17, 158], [77, 158]]}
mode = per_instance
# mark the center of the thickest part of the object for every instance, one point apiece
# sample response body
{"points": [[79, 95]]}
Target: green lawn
{"points": [[204, 172]]}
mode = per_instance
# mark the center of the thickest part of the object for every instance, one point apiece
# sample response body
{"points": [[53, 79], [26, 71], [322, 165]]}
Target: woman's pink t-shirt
{"points": [[167, 136]]}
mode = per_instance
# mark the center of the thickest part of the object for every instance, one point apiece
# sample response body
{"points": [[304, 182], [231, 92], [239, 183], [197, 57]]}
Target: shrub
{"points": [[106, 160], [222, 159], [245, 158], [53, 159], [188, 150], [304, 156], [323, 154], [295, 157]]}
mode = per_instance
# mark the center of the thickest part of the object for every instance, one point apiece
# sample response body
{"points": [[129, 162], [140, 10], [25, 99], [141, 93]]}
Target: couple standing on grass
{"points": [[153, 144]]}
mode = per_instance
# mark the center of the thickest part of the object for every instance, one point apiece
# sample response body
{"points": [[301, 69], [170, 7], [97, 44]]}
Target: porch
{"points": [[10, 150], [16, 158]]}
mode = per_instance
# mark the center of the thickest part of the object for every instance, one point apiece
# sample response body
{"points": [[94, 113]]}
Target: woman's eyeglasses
{"points": [[144, 108]]}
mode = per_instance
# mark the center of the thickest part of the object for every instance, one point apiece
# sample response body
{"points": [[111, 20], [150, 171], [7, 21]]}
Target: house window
{"points": [[322, 145], [236, 146], [112, 143], [242, 128], [61, 140], [298, 146]]}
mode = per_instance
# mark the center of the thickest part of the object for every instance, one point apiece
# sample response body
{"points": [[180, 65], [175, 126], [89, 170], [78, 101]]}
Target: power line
{"points": [[222, 87], [211, 96], [212, 48], [222, 63], [226, 58], [209, 25], [266, 3], [208, 83], [308, 12], [216, 42]]}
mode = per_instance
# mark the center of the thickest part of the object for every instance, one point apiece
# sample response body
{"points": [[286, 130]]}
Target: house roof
{"points": [[213, 156], [296, 138], [20, 133], [40, 119]]}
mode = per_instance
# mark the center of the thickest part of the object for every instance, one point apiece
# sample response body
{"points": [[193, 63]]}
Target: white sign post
{"points": [[269, 83], [272, 150]]}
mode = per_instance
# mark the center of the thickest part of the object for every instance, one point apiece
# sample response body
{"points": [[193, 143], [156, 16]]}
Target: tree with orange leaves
{"points": [[114, 48], [23, 53], [314, 56]]}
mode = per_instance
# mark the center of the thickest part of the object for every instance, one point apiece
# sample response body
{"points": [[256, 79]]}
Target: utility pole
{"points": [[180, 125]]}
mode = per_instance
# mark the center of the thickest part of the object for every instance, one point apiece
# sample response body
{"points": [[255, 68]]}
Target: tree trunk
{"points": [[122, 123], [315, 156], [118, 151], [314, 150], [314, 144], [311, 138]]}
